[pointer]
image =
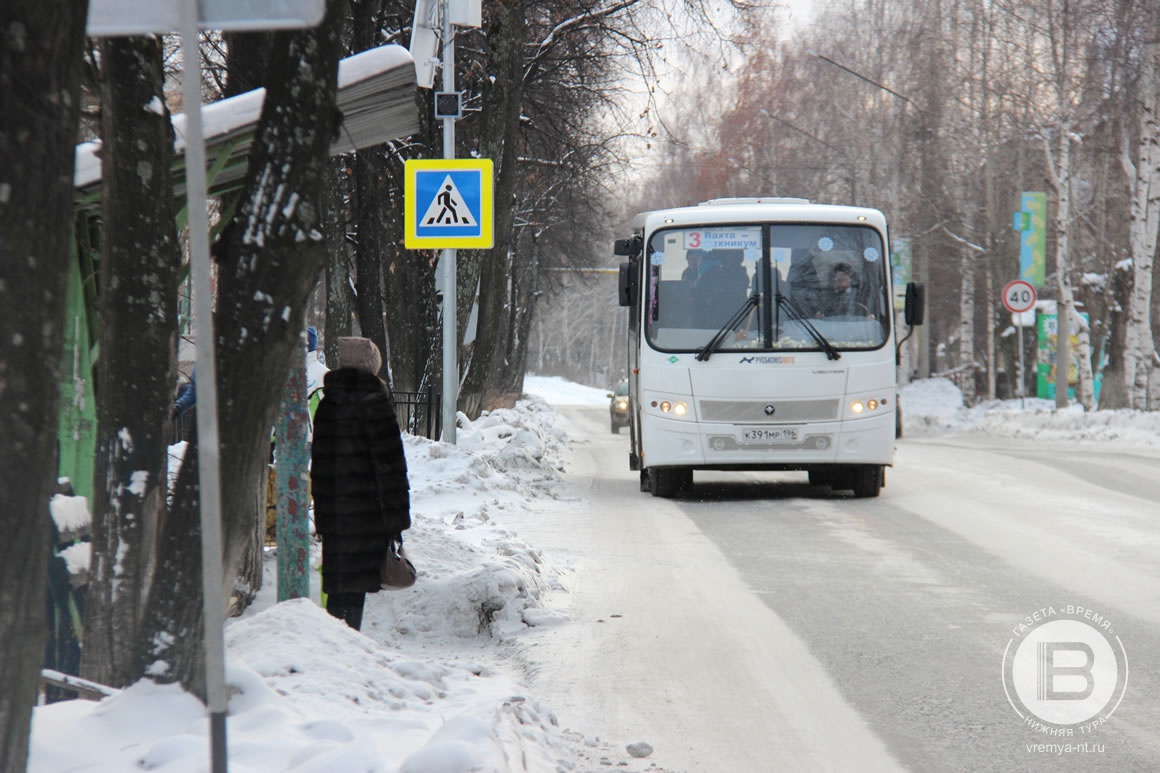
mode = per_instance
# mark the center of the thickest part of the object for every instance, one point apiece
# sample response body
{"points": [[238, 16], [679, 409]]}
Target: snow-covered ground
{"points": [[433, 683], [936, 406]]}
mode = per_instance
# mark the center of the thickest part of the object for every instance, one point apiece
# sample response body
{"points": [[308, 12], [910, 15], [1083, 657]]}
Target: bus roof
{"points": [[764, 209]]}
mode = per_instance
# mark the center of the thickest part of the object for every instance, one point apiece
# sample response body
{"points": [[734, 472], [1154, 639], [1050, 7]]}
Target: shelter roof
{"points": [[376, 95]]}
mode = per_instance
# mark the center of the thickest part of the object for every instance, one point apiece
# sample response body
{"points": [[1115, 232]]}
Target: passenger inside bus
{"points": [[804, 286], [692, 266], [721, 288], [841, 300]]}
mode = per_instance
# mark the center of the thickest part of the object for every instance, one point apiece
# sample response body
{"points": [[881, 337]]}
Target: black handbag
{"points": [[397, 572]]}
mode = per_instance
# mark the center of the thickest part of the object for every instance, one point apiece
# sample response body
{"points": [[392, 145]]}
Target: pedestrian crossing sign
{"points": [[448, 203]]}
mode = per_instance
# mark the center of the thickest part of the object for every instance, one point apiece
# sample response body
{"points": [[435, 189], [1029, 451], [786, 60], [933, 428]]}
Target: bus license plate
{"points": [[763, 435]]}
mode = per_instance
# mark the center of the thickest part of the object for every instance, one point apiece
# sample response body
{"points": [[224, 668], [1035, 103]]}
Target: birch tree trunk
{"points": [[1060, 171], [1085, 387], [967, 325], [1065, 31], [1140, 359], [1066, 317]]}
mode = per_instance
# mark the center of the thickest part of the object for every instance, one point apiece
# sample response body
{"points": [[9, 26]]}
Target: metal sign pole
{"points": [[1022, 372], [208, 463], [450, 324], [1019, 298]]}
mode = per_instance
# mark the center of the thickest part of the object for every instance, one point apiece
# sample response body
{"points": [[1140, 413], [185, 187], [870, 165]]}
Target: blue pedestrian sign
{"points": [[448, 203]]}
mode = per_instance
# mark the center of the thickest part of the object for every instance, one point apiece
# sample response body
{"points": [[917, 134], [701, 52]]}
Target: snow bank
{"points": [[935, 406]]}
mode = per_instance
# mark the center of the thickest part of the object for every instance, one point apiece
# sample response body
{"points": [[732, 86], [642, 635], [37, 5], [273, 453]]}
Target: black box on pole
{"points": [[448, 104]]}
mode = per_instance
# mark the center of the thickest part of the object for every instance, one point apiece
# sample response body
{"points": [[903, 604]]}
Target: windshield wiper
{"points": [[707, 351], [796, 314]]}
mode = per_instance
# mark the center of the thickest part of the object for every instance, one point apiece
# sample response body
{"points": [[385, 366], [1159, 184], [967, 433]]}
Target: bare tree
{"points": [[1141, 164], [972, 103], [41, 45], [549, 119], [270, 256], [1066, 25], [340, 296], [501, 97], [140, 258], [373, 282]]}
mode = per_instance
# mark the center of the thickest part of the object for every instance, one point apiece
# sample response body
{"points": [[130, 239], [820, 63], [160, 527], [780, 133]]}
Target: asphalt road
{"points": [[762, 625]]}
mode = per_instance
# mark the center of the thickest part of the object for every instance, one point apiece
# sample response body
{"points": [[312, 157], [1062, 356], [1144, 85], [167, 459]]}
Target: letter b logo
{"points": [[1064, 672], [1051, 675]]}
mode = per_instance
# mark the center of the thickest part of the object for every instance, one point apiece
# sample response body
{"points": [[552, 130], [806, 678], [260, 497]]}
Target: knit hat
{"points": [[361, 353]]}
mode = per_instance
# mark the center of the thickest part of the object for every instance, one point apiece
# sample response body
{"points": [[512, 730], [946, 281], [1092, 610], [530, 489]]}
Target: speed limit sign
{"points": [[1019, 296]]}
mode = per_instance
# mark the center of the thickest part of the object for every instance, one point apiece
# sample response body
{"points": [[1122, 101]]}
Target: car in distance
{"points": [[618, 406]]}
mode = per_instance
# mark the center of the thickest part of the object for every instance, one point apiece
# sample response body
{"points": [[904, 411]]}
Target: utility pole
{"points": [[447, 263], [437, 19]]}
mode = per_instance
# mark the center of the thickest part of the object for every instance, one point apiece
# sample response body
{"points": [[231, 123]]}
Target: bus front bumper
{"points": [[668, 442]]}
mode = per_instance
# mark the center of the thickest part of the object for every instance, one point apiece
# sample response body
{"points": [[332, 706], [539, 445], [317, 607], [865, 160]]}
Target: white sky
{"points": [[797, 14], [421, 689]]}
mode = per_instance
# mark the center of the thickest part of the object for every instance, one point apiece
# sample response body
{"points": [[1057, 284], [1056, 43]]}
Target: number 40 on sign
{"points": [[1019, 296]]}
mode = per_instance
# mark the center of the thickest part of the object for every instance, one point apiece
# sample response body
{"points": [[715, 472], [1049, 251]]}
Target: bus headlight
{"points": [[859, 407], [677, 408]]}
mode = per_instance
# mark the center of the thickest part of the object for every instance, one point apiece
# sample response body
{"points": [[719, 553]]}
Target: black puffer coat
{"points": [[358, 477]]}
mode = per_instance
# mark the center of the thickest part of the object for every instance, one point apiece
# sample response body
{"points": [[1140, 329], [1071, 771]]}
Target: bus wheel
{"points": [[644, 481], [867, 480], [820, 477], [664, 481]]}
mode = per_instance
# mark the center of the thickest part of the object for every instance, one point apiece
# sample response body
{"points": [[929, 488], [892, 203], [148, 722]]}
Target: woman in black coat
{"points": [[358, 478]]}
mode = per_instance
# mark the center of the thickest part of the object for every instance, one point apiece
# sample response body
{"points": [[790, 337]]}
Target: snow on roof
{"points": [[368, 117]]}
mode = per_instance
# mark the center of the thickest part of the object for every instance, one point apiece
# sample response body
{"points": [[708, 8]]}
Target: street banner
{"points": [[1031, 223]]}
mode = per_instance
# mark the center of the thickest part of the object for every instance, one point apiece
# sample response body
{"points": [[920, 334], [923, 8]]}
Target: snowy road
{"points": [[762, 625]]}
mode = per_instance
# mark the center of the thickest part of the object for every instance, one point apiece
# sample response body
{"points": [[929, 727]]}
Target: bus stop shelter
{"points": [[376, 96]]}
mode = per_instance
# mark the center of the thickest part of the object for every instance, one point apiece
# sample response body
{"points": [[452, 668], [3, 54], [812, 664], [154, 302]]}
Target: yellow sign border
{"points": [[486, 238]]}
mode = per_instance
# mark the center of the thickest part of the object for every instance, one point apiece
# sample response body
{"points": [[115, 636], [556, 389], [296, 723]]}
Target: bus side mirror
{"points": [[915, 310], [627, 247], [627, 286]]}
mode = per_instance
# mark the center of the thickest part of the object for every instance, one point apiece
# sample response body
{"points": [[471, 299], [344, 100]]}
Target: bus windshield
{"points": [[829, 277]]}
